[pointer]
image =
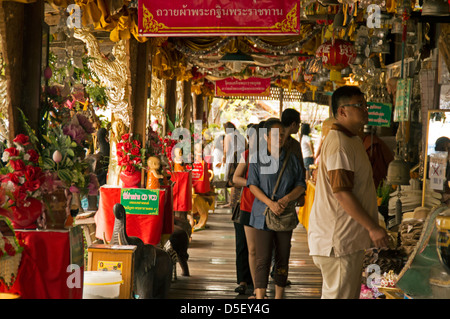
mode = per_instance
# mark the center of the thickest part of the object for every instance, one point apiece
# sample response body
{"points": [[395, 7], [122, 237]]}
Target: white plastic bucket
{"points": [[102, 284]]}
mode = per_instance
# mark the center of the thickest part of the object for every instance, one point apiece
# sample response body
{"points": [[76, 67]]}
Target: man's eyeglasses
{"points": [[358, 105]]}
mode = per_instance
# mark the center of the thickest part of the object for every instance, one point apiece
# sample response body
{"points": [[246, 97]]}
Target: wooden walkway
{"points": [[213, 271]]}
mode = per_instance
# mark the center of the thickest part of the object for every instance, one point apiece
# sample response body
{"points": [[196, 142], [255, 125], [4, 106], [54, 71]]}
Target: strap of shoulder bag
{"points": [[286, 159]]}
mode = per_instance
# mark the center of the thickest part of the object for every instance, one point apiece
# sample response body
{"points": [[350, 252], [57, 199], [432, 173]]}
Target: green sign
{"points": [[403, 100], [379, 114], [140, 201]]}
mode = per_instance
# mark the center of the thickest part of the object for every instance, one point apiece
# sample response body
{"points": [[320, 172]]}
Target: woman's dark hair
{"points": [[270, 123], [342, 94], [442, 144], [306, 129], [229, 125]]}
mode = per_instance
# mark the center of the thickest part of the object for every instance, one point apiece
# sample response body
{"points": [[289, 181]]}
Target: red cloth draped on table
{"points": [[43, 272], [182, 191], [200, 177], [146, 227]]}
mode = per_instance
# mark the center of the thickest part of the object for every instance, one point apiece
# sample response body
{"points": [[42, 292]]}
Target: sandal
{"points": [[241, 289]]}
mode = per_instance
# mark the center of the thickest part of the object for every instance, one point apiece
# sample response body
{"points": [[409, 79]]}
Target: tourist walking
{"points": [[307, 147], [262, 179], [344, 216], [245, 235]]}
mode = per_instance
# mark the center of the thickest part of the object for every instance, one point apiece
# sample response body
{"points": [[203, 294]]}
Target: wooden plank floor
{"points": [[213, 270]]}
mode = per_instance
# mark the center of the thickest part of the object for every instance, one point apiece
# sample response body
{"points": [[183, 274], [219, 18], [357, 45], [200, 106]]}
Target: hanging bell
{"points": [[397, 26], [398, 172], [435, 8]]}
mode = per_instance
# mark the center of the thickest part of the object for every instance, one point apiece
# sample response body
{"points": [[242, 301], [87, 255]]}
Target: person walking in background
{"points": [[218, 166], [262, 177], [307, 147], [344, 216], [245, 239], [234, 145], [290, 118]]}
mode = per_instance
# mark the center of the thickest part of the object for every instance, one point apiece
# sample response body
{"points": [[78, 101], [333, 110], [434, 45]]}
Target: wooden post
{"points": [[21, 28], [139, 61], [199, 102], [187, 103], [281, 100], [171, 102], [139, 80]]}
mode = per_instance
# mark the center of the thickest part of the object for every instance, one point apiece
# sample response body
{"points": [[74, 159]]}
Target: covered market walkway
{"points": [[213, 271]]}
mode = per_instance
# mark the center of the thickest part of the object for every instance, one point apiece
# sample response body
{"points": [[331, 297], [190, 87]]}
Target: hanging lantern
{"points": [[336, 55]]}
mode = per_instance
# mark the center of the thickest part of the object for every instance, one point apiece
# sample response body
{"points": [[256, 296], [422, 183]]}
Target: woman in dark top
{"points": [[262, 177]]}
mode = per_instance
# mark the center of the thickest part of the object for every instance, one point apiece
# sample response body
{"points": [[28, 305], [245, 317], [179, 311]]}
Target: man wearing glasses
{"points": [[344, 216]]}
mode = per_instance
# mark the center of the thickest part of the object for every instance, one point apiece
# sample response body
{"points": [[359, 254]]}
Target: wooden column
{"points": [[171, 102], [21, 28], [199, 104], [139, 83], [187, 103]]}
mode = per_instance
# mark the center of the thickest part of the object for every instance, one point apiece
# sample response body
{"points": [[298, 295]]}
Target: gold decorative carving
{"points": [[158, 91], [113, 76], [149, 23], [290, 23]]}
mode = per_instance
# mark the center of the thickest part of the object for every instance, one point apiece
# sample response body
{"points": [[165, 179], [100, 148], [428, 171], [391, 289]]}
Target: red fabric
{"points": [[168, 220], [379, 155], [247, 196], [146, 227], [43, 268], [182, 191], [200, 178]]}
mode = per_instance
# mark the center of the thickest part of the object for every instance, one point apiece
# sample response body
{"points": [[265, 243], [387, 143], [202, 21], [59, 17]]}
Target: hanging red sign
{"points": [[248, 87], [218, 17]]}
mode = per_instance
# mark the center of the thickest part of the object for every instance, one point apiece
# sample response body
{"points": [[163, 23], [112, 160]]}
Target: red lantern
{"points": [[336, 55]]}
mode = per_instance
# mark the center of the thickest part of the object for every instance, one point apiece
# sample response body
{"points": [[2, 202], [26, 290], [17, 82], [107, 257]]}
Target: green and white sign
{"points": [[379, 114], [140, 201]]}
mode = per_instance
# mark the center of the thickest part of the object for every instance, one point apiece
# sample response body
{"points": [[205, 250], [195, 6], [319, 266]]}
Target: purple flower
{"points": [[85, 123], [76, 132]]}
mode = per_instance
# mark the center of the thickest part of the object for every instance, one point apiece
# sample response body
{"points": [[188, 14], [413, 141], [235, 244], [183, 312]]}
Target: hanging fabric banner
{"points": [[248, 87], [218, 17]]}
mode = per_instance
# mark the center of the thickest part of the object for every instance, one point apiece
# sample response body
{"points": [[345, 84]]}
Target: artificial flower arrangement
{"points": [[130, 158], [21, 180], [10, 253], [130, 154], [59, 164]]}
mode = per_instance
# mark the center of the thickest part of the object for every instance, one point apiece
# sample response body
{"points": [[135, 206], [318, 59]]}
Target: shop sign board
{"points": [[140, 201], [218, 17], [198, 170], [437, 173], [379, 114], [249, 87]]}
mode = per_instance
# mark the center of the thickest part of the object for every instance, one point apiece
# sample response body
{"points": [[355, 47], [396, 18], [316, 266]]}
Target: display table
{"points": [[305, 210], [146, 227], [44, 271]]}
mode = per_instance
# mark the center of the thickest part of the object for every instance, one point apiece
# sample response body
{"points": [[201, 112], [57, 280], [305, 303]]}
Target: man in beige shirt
{"points": [[344, 216]]}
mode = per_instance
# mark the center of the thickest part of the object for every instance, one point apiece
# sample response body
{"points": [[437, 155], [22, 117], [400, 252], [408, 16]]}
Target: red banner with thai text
{"points": [[218, 17], [249, 87]]}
